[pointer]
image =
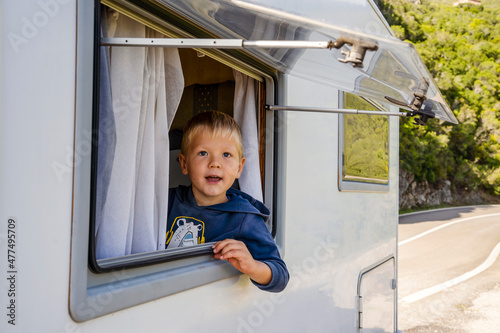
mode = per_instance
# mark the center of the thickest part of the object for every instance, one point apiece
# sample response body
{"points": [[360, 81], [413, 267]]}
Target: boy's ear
{"points": [[240, 167], [182, 161]]}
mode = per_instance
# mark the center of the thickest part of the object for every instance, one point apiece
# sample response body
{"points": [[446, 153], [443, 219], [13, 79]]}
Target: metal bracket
{"points": [[420, 95], [358, 51], [419, 105]]}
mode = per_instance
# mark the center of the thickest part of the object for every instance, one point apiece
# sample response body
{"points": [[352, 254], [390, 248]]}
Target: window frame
{"points": [[351, 185], [143, 259], [127, 281]]}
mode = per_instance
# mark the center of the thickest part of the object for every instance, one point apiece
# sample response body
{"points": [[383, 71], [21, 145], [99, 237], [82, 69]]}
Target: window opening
{"points": [[363, 147], [146, 97], [366, 144]]}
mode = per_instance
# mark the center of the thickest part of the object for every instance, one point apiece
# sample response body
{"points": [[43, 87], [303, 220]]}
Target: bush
{"points": [[460, 46]]}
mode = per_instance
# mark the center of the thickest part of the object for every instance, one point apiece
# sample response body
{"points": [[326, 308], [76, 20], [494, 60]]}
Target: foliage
{"points": [[366, 143], [461, 48]]}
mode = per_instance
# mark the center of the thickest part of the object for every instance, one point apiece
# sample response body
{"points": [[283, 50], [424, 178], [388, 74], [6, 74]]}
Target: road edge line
{"points": [[441, 227], [450, 283]]}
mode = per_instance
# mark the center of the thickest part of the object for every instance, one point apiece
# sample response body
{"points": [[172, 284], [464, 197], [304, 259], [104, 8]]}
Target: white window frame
{"points": [[95, 294]]}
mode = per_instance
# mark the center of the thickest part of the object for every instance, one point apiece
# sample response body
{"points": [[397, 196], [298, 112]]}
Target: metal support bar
{"points": [[175, 42], [344, 111], [288, 44], [213, 43]]}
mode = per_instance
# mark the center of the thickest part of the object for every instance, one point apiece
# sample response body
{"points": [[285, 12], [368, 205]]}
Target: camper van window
{"points": [[364, 146], [146, 96]]}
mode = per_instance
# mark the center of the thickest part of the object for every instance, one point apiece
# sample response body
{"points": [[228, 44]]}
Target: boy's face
{"points": [[212, 165]]}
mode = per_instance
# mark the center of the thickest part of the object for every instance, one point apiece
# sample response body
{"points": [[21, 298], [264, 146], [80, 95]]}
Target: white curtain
{"points": [[245, 114], [146, 86]]}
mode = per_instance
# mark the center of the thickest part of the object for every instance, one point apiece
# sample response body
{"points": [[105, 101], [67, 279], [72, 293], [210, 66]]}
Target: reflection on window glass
{"points": [[366, 144]]}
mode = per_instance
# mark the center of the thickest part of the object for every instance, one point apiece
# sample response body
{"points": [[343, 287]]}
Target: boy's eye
{"points": [[226, 154], [203, 153]]}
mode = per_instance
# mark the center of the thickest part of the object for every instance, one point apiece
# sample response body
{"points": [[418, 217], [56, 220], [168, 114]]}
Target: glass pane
{"points": [[393, 70], [366, 144]]}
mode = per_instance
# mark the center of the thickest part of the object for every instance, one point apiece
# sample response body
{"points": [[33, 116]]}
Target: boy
{"points": [[211, 211]]}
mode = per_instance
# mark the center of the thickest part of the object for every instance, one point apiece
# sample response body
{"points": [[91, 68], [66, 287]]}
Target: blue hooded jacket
{"points": [[241, 217]]}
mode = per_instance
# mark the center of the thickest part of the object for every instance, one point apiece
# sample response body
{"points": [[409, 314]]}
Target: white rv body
{"points": [[340, 246]]}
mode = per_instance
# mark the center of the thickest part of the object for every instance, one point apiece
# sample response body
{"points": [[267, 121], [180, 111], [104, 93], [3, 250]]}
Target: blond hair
{"points": [[219, 124]]}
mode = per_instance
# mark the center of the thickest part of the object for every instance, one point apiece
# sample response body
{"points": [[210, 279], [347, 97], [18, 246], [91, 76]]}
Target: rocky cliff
{"points": [[413, 194]]}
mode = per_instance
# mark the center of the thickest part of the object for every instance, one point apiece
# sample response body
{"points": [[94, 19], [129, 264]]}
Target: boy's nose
{"points": [[214, 163]]}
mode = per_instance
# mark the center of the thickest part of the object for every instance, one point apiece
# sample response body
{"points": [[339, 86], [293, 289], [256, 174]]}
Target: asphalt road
{"points": [[449, 270]]}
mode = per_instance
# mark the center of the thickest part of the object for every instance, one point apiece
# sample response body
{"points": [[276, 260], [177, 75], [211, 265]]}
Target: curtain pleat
{"points": [[245, 114], [146, 87]]}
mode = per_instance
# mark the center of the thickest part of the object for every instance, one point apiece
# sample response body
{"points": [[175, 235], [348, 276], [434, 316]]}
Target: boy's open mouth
{"points": [[213, 179]]}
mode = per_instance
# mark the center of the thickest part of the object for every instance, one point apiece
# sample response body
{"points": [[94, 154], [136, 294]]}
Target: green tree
{"points": [[461, 47]]}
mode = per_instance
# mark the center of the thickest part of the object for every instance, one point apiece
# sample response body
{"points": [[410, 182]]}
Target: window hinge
{"points": [[394, 284], [419, 105]]}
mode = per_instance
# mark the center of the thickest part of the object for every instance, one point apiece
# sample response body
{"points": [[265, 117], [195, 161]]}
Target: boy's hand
{"points": [[237, 254]]}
